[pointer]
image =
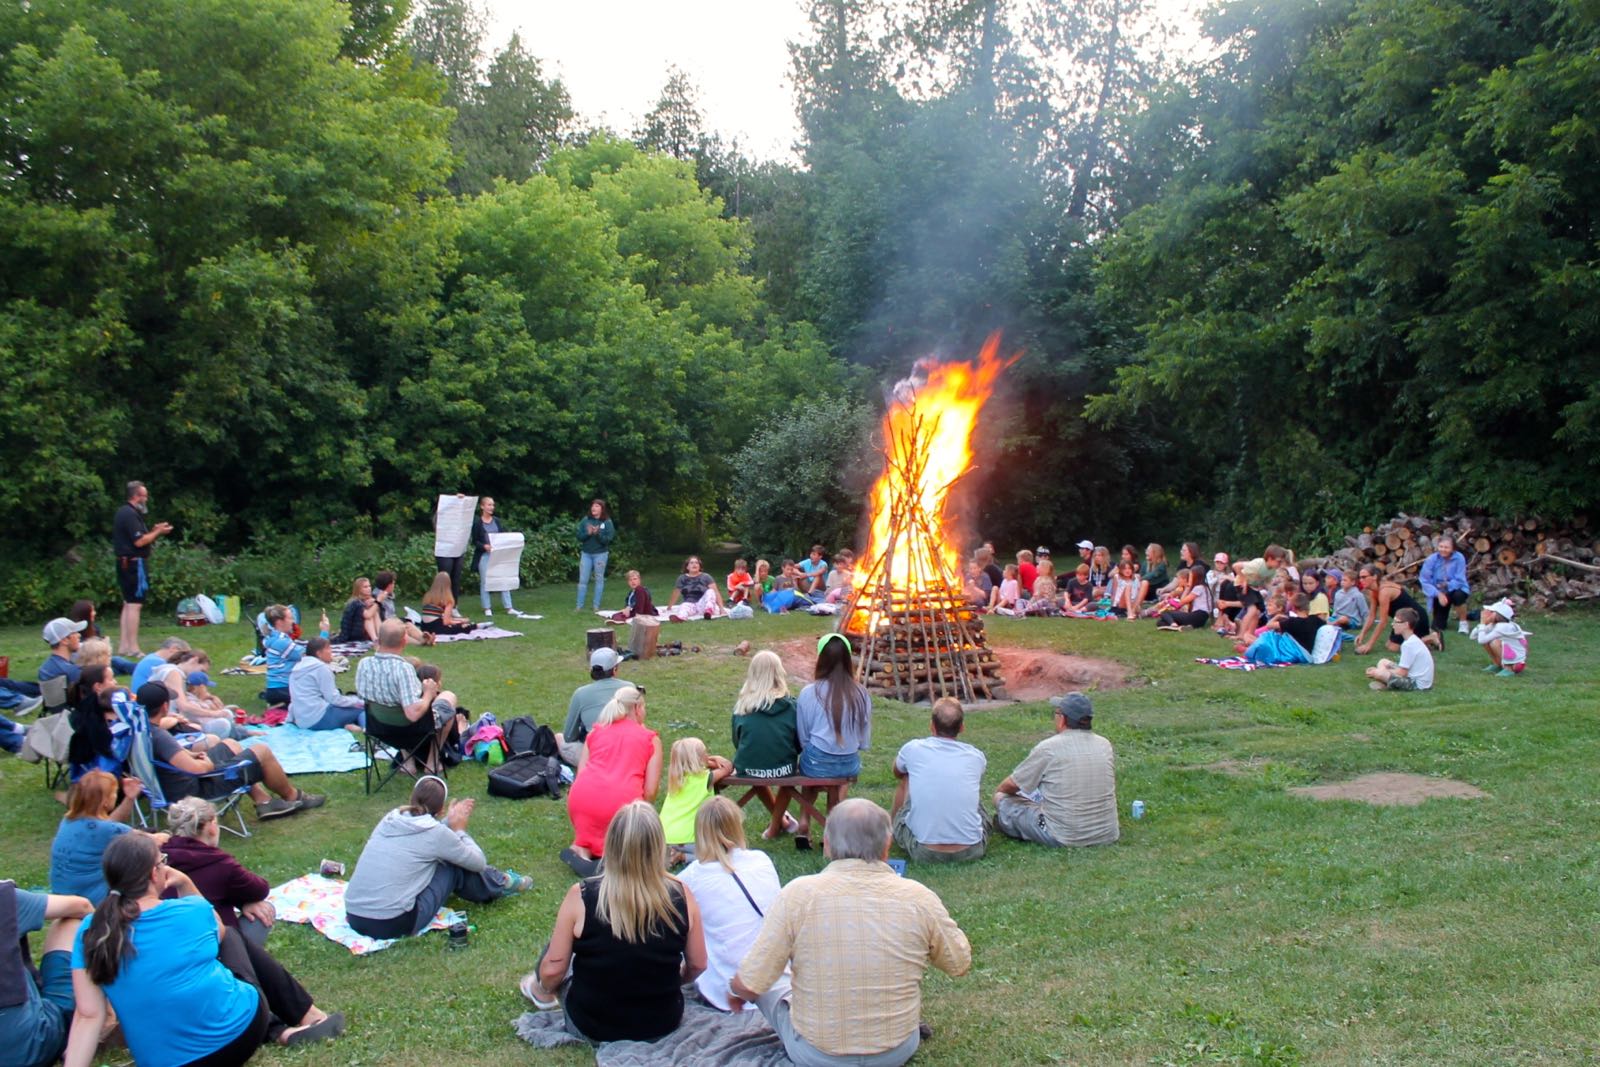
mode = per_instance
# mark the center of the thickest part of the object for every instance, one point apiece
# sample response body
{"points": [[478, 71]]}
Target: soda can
{"points": [[332, 869], [240, 716], [1137, 809]]}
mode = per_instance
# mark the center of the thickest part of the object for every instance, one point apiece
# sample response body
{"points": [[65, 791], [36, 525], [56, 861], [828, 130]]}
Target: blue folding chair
{"points": [[145, 767]]}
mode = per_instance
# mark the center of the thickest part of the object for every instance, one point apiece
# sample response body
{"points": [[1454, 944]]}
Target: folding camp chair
{"points": [[54, 692], [46, 743], [389, 731], [146, 768]]}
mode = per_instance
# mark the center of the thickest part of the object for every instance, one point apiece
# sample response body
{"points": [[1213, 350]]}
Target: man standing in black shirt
{"points": [[131, 540]]}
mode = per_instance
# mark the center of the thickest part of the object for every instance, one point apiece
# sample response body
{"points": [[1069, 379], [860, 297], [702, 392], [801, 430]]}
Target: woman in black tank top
{"points": [[624, 942]]}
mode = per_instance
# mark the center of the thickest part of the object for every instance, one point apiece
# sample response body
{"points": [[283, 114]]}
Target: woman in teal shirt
{"points": [[157, 963], [595, 534]]}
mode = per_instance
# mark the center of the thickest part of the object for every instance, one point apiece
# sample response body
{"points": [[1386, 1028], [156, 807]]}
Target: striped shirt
{"points": [[859, 937], [387, 679]]}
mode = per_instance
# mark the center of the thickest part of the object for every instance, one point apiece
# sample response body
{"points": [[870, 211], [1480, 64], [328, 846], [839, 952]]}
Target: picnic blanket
{"points": [[482, 633], [705, 1036], [1239, 663], [351, 648], [312, 751], [317, 900]]}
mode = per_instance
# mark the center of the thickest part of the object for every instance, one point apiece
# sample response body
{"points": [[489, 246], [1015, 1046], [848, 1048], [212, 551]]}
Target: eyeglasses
{"points": [[161, 859], [640, 688]]}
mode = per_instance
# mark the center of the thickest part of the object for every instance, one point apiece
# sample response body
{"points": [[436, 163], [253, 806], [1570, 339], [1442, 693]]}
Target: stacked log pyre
{"points": [[1541, 565], [911, 632]]}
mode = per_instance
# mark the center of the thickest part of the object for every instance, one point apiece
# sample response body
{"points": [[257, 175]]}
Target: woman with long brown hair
{"points": [[834, 720], [624, 942], [439, 609]]}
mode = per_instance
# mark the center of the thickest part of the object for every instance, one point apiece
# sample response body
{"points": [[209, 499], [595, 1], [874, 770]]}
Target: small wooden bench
{"points": [[797, 784]]}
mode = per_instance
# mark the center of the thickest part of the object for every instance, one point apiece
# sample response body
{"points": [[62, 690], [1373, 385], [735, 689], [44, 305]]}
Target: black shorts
{"points": [[133, 578], [221, 756]]}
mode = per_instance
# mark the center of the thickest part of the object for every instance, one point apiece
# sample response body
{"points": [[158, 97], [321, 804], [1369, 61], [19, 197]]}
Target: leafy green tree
{"points": [[804, 476]]}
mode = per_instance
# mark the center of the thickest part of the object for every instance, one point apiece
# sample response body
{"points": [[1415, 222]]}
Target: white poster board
{"points": [[503, 570], [452, 525]]}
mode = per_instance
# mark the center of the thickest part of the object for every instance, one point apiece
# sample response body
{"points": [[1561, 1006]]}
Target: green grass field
{"points": [[1235, 923]]}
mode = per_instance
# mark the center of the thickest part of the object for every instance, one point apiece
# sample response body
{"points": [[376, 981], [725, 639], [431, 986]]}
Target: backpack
{"points": [[527, 775], [524, 736]]}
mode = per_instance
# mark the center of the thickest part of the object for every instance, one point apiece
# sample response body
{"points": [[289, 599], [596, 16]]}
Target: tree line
{"points": [[301, 264]]}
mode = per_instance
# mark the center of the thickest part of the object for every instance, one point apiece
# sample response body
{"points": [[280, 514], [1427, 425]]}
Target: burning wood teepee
{"points": [[913, 635]]}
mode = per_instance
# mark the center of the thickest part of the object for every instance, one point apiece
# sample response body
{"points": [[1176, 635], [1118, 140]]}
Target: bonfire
{"points": [[914, 636]]}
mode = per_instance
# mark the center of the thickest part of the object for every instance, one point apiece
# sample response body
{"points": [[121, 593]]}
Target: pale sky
{"points": [[614, 57]]}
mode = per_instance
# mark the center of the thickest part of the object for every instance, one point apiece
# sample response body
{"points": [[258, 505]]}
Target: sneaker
{"points": [[1505, 672], [276, 808], [1376, 685], [488, 613], [28, 706], [1463, 628], [517, 883], [1490, 669], [536, 993], [304, 801]]}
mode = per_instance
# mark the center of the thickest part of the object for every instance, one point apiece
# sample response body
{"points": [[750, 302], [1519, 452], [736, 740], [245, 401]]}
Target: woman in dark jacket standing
{"points": [[595, 534]]}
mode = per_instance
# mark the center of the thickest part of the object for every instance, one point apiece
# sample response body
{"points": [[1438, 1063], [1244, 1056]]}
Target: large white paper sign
{"points": [[503, 570], [452, 525]]}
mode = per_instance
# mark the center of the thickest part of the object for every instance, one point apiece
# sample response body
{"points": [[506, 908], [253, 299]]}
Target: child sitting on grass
{"points": [[1010, 588], [1504, 641], [1415, 669], [692, 777], [1349, 606], [739, 583]]}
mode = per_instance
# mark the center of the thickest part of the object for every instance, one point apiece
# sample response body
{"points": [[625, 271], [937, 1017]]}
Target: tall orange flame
{"points": [[937, 418]]}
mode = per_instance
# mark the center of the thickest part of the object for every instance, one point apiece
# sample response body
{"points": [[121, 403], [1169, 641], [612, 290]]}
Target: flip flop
{"points": [[528, 985], [328, 1029]]}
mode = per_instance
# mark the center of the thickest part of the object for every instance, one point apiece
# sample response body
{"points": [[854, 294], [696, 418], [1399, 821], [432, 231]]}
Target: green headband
{"points": [[833, 635]]}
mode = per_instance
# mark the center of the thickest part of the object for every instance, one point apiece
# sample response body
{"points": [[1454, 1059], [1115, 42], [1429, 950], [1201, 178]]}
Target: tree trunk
{"points": [[1095, 147]]}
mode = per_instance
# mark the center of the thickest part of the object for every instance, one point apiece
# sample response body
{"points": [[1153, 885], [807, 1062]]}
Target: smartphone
{"points": [[898, 866]]}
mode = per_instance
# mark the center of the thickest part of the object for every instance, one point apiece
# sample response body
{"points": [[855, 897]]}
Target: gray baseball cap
{"points": [[1074, 707]]}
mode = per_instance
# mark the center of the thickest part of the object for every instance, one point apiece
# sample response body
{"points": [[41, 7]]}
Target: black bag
{"points": [[526, 775], [523, 736]]}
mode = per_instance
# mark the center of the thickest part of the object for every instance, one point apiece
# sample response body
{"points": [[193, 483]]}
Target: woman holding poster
{"points": [[595, 534], [482, 527], [452, 522]]}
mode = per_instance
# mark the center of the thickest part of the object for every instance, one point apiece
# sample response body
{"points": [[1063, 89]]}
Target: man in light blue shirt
{"points": [[938, 814]]}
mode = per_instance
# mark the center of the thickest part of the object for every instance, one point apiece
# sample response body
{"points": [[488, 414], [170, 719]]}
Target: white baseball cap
{"points": [[57, 630], [1502, 608], [604, 658], [1086, 544]]}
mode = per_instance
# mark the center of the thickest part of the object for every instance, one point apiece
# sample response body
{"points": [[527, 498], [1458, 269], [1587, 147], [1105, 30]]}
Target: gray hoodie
{"points": [[399, 860]]}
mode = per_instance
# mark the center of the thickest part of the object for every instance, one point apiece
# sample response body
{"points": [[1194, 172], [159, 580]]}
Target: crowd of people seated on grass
{"points": [[1267, 607], [130, 913]]}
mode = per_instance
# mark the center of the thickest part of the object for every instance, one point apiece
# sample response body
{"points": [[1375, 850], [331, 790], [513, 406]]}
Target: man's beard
{"points": [[142, 506]]}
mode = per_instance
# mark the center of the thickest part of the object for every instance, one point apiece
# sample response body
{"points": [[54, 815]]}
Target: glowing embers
{"points": [[914, 636]]}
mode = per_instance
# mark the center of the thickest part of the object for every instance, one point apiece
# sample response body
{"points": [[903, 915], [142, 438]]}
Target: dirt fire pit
{"points": [[1030, 673]]}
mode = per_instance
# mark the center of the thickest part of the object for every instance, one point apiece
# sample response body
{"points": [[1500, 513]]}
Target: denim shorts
{"points": [[818, 764]]}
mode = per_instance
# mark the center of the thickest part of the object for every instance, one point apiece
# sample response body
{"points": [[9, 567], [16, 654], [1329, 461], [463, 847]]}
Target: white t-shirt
{"points": [[1417, 661], [729, 921], [943, 805]]}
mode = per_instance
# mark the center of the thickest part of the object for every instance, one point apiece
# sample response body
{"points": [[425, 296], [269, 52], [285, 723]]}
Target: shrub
{"points": [[276, 570]]}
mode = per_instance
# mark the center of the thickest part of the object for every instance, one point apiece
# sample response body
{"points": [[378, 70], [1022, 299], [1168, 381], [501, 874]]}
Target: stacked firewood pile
{"points": [[1541, 565]]}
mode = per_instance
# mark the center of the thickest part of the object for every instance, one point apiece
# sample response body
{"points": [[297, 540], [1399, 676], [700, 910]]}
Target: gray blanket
{"points": [[705, 1036]]}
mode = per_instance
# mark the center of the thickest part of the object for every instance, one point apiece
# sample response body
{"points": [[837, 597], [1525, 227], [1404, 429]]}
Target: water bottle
{"points": [[323, 624], [1137, 809]]}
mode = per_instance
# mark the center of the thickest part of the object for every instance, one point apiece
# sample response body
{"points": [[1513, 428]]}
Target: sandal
{"points": [[790, 825], [531, 989], [802, 842]]}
